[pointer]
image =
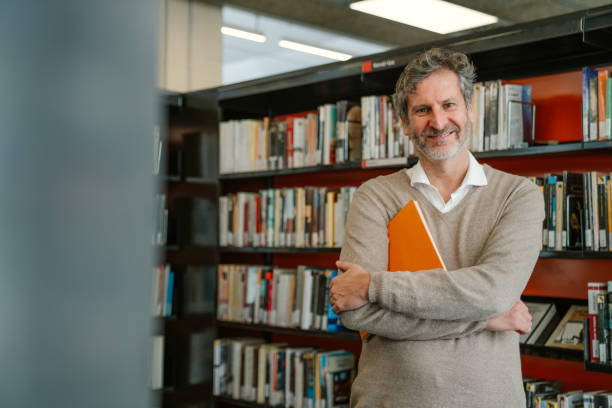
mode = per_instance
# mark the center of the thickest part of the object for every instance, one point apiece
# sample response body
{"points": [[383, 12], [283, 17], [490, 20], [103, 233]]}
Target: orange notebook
{"points": [[411, 246]]}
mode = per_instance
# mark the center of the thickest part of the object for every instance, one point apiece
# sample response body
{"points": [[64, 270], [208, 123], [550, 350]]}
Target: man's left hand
{"points": [[349, 290]]}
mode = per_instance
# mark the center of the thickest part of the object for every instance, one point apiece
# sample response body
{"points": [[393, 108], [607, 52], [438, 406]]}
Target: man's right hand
{"points": [[518, 319]]}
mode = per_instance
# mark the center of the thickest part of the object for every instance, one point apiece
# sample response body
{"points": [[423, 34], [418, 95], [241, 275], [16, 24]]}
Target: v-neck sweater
{"points": [[428, 346]]}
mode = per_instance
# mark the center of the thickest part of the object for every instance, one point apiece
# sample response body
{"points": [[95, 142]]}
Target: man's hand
{"points": [[349, 290], [518, 319]]}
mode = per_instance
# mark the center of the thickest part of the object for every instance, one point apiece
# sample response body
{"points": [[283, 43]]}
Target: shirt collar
{"points": [[475, 175]]}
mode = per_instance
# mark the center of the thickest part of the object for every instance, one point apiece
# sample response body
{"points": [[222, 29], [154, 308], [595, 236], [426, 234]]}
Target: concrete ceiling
{"points": [[336, 15]]}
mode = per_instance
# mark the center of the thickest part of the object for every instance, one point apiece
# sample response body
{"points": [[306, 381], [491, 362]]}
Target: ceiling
{"points": [[332, 24]]}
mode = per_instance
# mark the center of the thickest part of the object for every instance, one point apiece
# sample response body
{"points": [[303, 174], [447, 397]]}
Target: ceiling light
{"points": [[246, 35], [438, 16], [314, 50]]}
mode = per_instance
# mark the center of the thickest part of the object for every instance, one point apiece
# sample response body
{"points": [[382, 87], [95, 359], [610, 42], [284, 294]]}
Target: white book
{"points": [[249, 379], [237, 346], [338, 220], [300, 214], [223, 221], [306, 311], [157, 363], [299, 141]]}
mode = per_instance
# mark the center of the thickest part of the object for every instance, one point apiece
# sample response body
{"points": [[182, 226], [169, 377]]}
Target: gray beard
{"points": [[436, 155]]}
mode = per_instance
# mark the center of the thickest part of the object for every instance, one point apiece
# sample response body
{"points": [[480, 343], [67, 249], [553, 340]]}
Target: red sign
{"points": [[366, 66]]}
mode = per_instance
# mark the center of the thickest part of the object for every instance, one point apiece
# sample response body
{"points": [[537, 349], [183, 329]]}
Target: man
{"points": [[441, 338]]}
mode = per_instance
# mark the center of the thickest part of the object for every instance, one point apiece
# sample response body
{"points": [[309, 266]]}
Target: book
{"points": [[571, 399], [338, 374], [594, 289], [568, 333], [411, 245], [540, 387], [603, 400]]}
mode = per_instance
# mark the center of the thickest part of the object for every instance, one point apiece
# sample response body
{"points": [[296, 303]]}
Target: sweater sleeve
{"points": [[479, 292], [366, 243]]}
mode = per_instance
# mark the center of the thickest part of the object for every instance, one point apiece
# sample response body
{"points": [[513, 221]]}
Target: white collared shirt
{"points": [[474, 177]]}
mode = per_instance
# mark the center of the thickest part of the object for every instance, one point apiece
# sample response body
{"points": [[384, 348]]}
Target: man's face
{"points": [[439, 123]]}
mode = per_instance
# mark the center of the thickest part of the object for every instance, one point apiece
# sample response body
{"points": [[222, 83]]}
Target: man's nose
{"points": [[438, 119]]}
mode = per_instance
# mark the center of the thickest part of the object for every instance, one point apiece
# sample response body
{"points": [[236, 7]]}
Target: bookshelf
{"points": [[191, 252], [547, 54]]}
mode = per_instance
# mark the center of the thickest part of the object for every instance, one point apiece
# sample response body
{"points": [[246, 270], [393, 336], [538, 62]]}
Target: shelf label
{"points": [[369, 66]]}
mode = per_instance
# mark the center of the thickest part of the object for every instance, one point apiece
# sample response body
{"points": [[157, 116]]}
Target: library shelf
{"points": [[551, 352], [325, 250], [291, 250], [189, 323], [398, 162], [194, 392], [602, 368], [598, 145], [344, 335], [192, 255], [296, 170], [576, 254], [226, 401]]}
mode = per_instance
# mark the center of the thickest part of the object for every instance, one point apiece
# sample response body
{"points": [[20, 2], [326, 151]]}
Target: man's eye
{"points": [[449, 105], [421, 110]]}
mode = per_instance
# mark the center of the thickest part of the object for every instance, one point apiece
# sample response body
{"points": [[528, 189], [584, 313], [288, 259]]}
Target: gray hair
{"points": [[426, 63]]}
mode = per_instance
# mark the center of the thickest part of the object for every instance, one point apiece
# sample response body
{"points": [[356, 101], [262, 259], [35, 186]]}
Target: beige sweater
{"points": [[429, 347]]}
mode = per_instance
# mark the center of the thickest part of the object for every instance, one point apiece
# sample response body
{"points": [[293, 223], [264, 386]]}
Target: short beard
{"points": [[420, 142]]}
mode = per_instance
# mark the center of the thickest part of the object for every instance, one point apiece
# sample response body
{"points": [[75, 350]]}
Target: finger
{"points": [[343, 265]]}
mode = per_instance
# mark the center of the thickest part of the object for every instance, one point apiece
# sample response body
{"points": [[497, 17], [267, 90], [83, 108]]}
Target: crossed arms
{"points": [[409, 306]]}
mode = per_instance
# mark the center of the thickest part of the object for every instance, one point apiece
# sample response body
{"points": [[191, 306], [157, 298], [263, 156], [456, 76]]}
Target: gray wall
{"points": [[77, 109]]}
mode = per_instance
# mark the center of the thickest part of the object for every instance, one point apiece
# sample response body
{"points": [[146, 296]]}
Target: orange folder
{"points": [[411, 246]]}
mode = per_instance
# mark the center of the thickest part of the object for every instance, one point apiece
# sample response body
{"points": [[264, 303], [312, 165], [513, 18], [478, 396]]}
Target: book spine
{"points": [[602, 313], [585, 104], [594, 289]]}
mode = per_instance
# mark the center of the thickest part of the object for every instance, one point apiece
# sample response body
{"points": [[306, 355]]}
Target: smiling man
{"points": [[441, 338]]}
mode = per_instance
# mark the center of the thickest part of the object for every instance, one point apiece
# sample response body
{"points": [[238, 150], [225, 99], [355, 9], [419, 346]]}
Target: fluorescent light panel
{"points": [[438, 16], [309, 49], [245, 35]]}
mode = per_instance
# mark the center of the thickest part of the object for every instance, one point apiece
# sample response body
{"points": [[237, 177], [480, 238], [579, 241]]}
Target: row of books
{"points": [[160, 220], [284, 297], [331, 134], [368, 129], [596, 104], [541, 393], [504, 116], [600, 321], [163, 289], [276, 374], [286, 217], [382, 133], [578, 211]]}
